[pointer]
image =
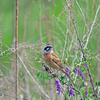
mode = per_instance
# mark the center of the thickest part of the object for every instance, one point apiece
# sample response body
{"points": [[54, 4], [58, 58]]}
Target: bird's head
{"points": [[48, 48]]}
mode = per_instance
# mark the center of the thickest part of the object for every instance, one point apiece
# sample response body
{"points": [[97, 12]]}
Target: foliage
{"points": [[49, 21]]}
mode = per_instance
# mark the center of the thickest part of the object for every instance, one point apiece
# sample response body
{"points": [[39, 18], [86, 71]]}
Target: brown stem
{"points": [[86, 65], [0, 41], [40, 34], [53, 22], [16, 53]]}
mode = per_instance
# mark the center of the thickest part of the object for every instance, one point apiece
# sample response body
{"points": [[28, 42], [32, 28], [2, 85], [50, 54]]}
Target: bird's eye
{"points": [[47, 48]]}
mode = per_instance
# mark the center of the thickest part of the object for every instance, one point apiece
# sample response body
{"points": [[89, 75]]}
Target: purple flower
{"points": [[57, 83], [67, 70], [85, 84], [86, 94], [71, 92], [79, 73]]}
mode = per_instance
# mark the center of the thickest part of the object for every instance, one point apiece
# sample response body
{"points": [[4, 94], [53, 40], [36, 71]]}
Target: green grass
{"points": [[64, 40]]}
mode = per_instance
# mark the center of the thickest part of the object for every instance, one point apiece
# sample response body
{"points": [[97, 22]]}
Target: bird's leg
{"points": [[54, 73]]}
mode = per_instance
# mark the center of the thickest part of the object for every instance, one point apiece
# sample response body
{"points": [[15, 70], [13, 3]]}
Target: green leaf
{"points": [[97, 83], [32, 95]]}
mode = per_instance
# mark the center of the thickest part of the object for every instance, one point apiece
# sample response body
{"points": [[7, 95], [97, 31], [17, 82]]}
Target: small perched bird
{"points": [[53, 60]]}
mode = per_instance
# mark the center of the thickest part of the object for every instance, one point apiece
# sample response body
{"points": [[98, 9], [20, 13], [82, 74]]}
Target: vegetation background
{"points": [[41, 22]]}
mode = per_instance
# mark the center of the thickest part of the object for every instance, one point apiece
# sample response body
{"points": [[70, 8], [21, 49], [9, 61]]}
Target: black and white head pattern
{"points": [[48, 48]]}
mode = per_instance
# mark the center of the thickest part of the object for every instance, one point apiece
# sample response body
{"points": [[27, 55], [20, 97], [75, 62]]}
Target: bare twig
{"points": [[38, 85], [53, 22], [65, 44], [91, 28], [40, 34], [81, 12], [58, 19], [46, 68], [0, 41], [16, 53], [91, 81]]}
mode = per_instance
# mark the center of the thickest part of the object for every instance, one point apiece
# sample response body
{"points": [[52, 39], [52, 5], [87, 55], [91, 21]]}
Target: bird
{"points": [[53, 60]]}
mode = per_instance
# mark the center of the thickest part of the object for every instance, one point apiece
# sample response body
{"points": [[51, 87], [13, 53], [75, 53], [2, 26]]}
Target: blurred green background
{"points": [[41, 22]]}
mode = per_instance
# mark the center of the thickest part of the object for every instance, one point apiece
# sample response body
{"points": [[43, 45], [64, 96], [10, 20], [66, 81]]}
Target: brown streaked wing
{"points": [[57, 60]]}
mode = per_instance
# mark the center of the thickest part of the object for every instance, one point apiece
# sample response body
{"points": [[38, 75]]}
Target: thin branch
{"points": [[91, 81], [16, 53], [58, 19], [81, 12], [0, 41], [38, 85], [40, 33], [53, 22], [65, 44], [91, 28]]}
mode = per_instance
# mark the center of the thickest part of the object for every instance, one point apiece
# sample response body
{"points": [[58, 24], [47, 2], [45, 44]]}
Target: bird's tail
{"points": [[70, 79], [64, 71]]}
